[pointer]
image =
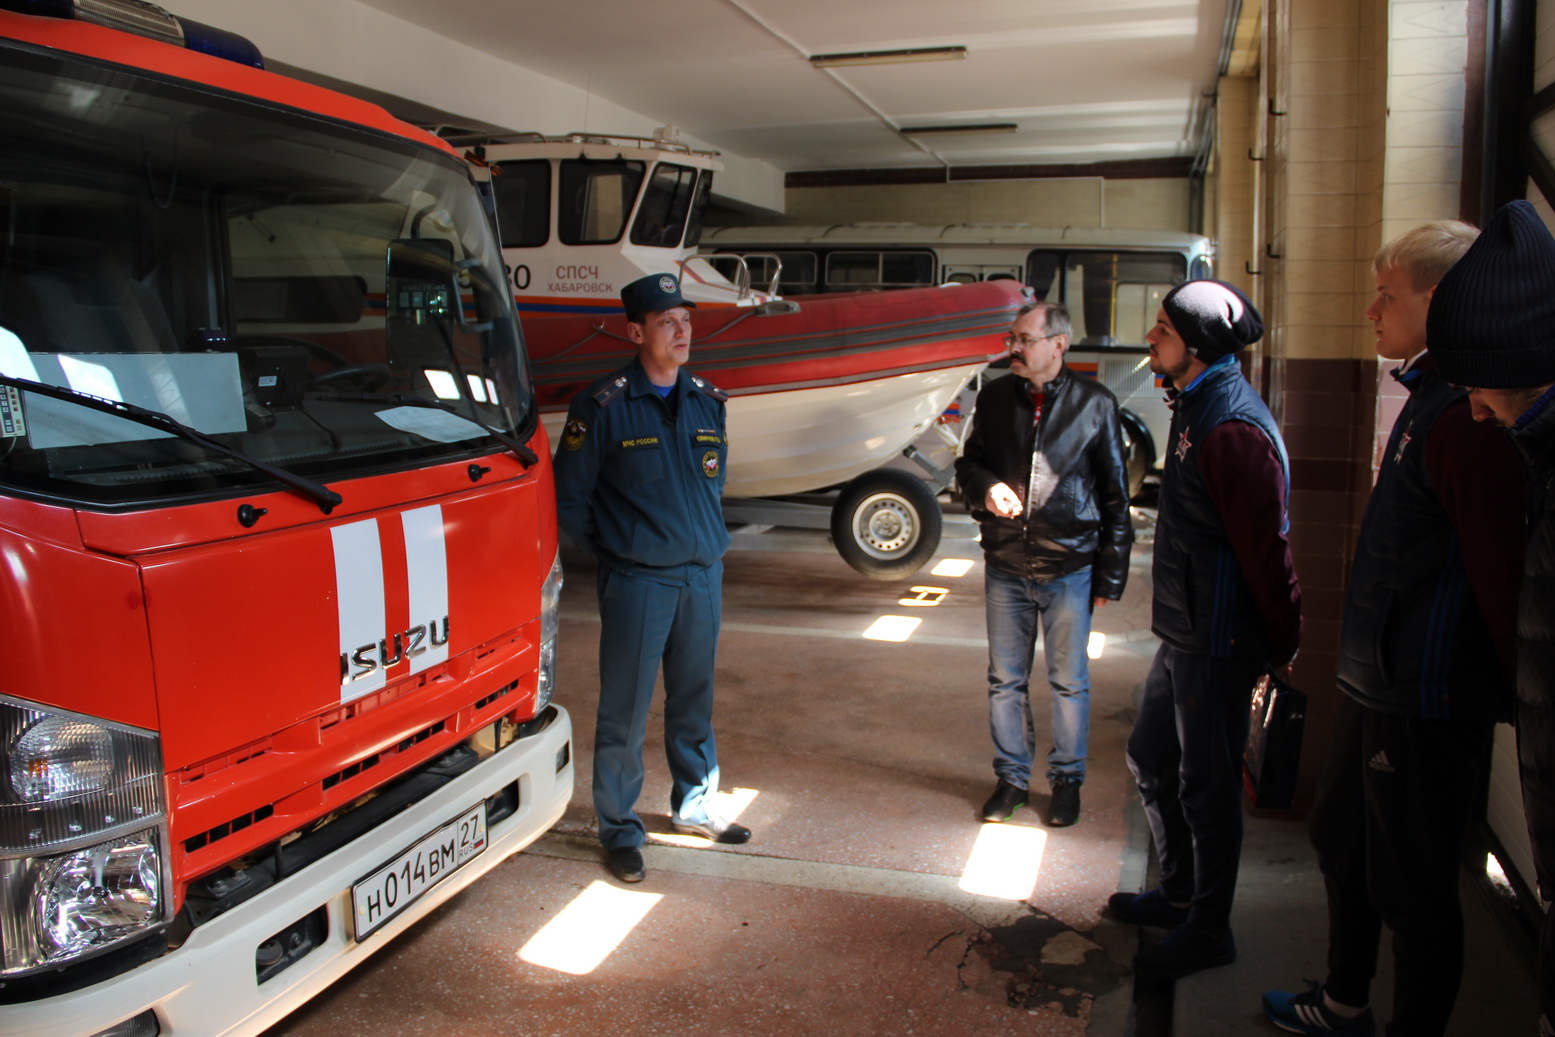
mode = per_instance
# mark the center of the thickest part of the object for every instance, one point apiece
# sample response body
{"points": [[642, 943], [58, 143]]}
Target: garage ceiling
{"points": [[1079, 81]]}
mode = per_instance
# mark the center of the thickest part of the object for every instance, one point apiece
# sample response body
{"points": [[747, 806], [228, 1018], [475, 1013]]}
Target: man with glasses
{"points": [[1043, 472]]}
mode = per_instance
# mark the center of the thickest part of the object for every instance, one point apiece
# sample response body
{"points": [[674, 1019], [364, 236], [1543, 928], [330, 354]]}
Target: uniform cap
{"points": [[653, 294], [1491, 324], [1213, 318]]}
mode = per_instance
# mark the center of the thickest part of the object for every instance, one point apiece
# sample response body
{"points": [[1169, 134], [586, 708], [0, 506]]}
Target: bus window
{"points": [[1113, 296], [1203, 267], [595, 200], [1042, 275], [662, 216], [796, 278], [523, 192], [868, 271]]}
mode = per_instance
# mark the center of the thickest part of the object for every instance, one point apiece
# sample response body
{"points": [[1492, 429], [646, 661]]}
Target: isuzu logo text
{"points": [[368, 659]]}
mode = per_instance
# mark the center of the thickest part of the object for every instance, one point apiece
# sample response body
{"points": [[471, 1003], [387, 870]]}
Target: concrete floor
{"points": [[861, 766]]}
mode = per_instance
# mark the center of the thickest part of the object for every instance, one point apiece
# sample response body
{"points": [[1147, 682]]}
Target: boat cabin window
{"points": [[661, 218], [1112, 296], [596, 198], [871, 271], [699, 208], [523, 191]]}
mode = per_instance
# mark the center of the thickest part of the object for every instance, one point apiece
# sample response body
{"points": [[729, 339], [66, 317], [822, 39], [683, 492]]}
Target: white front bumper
{"points": [[209, 986]]}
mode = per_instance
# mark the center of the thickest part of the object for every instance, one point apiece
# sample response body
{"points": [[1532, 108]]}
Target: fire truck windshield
{"points": [[243, 269]]}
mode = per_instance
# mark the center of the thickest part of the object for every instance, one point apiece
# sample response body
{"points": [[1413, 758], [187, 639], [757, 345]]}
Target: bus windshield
{"points": [[295, 289]]}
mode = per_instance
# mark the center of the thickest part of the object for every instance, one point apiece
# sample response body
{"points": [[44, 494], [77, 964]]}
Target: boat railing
{"points": [[740, 281]]}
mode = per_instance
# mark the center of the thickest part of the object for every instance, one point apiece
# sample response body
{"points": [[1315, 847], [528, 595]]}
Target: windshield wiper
{"points": [[325, 498], [520, 450]]}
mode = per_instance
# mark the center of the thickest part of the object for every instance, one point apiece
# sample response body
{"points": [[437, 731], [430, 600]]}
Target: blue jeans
{"points": [[644, 625], [1014, 605]]}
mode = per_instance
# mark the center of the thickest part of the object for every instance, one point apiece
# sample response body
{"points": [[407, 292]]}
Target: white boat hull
{"points": [[801, 440]]}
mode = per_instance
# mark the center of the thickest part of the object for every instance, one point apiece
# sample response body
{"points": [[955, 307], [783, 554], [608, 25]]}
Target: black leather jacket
{"points": [[1077, 513]]}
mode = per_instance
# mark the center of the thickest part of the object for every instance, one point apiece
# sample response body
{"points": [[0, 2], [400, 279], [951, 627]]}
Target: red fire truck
{"points": [[278, 575]]}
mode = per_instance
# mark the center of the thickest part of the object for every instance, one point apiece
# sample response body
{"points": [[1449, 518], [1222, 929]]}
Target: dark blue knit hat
{"points": [[1492, 319], [1214, 318]]}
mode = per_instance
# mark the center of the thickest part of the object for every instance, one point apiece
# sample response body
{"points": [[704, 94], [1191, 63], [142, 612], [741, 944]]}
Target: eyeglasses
{"points": [[1024, 341]]}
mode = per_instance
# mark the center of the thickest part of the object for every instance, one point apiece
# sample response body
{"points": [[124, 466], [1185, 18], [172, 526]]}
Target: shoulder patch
{"points": [[574, 434], [709, 388], [611, 391]]}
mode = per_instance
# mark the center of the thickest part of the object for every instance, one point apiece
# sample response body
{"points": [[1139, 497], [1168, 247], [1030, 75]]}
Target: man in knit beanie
{"points": [[1425, 665], [1491, 328], [1226, 607]]}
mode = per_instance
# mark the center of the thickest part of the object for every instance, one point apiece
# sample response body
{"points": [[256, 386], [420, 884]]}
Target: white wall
{"points": [[360, 44]]}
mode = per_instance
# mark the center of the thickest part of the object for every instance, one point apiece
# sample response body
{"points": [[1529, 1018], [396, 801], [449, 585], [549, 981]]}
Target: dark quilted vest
{"points": [[1201, 601]]}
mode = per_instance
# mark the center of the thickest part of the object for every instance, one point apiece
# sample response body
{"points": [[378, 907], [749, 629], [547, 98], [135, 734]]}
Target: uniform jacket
{"points": [[1414, 640], [639, 477], [1076, 510], [1202, 602]]}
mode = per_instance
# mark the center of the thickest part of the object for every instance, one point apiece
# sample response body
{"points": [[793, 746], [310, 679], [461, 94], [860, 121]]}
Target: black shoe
{"points": [[626, 863], [714, 828], [1184, 951], [1006, 799], [1148, 908], [1064, 810]]}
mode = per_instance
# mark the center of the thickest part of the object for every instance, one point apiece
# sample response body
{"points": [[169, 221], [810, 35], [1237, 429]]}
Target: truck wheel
{"points": [[886, 523]]}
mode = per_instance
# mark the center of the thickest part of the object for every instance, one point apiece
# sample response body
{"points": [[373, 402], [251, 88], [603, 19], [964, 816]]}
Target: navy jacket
{"points": [[639, 478], [1414, 641]]}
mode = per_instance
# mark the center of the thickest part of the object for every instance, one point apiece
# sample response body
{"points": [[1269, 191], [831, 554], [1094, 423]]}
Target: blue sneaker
{"points": [[1306, 1013], [1148, 908]]}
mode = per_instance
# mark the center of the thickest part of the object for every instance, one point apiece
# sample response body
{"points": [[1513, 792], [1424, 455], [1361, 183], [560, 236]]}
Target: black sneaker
{"points": [[1184, 951], [1306, 1013], [626, 863], [1151, 907], [1064, 808], [1006, 799]]}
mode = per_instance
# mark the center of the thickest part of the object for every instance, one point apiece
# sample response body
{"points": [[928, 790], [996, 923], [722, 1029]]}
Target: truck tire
{"points": [[886, 523], [1139, 452]]}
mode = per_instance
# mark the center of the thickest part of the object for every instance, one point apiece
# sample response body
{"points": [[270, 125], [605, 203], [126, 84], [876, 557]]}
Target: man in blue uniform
{"points": [[1226, 606], [639, 476]]}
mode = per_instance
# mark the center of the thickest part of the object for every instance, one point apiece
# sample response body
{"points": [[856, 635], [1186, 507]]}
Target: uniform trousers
{"points": [[1186, 755], [1394, 801], [645, 623]]}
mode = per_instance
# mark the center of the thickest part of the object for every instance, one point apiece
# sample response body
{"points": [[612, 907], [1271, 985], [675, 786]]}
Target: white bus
{"points": [[1111, 280]]}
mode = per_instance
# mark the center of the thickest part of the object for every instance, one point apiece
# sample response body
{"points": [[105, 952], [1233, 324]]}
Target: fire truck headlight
{"points": [[86, 900], [550, 609]]}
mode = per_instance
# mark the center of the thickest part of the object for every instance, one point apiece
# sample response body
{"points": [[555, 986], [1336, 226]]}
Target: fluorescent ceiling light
{"points": [[958, 130], [887, 57]]}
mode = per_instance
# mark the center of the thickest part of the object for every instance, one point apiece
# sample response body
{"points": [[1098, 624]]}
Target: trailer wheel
{"points": [[1138, 451], [886, 523]]}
